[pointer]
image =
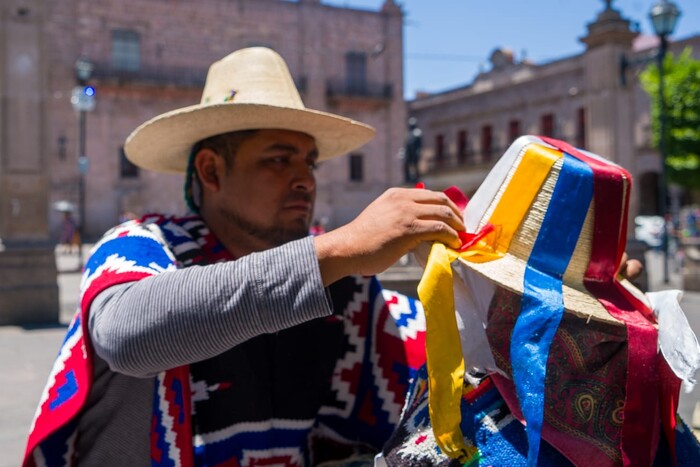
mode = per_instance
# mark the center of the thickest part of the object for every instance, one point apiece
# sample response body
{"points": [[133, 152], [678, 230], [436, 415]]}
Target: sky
{"points": [[447, 41]]}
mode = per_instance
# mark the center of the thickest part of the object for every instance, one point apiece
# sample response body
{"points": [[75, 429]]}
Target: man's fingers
{"points": [[439, 213], [434, 205], [431, 230], [630, 268], [633, 268], [435, 197]]}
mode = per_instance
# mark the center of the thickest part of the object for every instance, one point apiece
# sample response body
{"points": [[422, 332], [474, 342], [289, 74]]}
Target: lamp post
{"points": [[83, 101], [664, 16]]}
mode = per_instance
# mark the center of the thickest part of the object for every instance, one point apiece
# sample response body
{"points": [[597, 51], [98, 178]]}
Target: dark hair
{"points": [[226, 145]]}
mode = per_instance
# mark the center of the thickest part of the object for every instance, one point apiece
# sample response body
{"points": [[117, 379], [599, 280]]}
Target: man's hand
{"points": [[394, 224], [630, 269]]}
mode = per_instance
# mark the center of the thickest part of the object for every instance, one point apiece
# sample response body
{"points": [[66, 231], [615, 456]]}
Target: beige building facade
{"points": [[582, 99], [151, 56]]}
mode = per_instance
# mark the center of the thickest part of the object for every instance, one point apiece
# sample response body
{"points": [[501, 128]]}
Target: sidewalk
{"points": [[26, 356]]}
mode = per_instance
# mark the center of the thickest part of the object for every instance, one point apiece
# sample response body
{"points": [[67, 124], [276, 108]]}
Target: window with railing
{"points": [[126, 50], [127, 169], [547, 125], [356, 72], [439, 150], [486, 142], [581, 127], [357, 168], [513, 130], [462, 146]]}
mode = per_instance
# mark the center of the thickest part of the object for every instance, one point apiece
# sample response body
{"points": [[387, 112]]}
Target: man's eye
{"points": [[278, 160], [313, 165]]}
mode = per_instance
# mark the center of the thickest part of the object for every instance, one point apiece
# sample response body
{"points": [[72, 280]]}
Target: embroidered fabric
{"points": [[330, 389]]}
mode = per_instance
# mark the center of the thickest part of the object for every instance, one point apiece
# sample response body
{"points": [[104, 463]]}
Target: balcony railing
{"points": [[164, 76], [160, 75], [339, 88], [469, 159]]}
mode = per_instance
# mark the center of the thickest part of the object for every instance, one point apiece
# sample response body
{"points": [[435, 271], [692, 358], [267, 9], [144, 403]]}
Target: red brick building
{"points": [[151, 56]]}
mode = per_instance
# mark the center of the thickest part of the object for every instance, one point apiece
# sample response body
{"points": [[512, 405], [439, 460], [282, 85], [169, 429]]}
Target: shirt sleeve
{"points": [[176, 317]]}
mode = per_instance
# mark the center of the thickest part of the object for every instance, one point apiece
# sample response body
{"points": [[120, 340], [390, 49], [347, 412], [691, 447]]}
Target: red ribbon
{"points": [[644, 389], [457, 197], [460, 199]]}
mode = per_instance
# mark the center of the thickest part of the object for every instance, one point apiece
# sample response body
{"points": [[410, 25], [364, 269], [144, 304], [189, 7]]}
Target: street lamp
{"points": [[664, 16], [83, 101]]}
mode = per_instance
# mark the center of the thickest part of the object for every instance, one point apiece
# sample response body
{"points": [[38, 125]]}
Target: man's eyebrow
{"points": [[289, 148]]}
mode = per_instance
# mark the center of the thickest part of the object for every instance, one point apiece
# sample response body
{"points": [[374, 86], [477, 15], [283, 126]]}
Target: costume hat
{"points": [[546, 232], [516, 200], [246, 90]]}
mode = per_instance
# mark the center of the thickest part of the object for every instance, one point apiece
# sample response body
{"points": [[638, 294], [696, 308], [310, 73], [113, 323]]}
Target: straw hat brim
{"points": [[163, 144], [508, 272]]}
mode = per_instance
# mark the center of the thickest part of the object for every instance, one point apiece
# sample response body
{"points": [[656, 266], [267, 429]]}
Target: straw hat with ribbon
{"points": [[246, 90], [548, 226]]}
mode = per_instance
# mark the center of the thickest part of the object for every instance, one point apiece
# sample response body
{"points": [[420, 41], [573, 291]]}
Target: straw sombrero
{"points": [[248, 89]]}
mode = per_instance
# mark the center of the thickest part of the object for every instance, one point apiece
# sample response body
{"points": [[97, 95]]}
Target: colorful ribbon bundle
{"points": [[553, 186]]}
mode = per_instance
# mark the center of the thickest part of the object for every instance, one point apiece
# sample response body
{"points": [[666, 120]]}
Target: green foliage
{"points": [[682, 91]]}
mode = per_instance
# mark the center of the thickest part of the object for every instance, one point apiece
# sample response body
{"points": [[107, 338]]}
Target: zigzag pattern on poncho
{"points": [[382, 347]]}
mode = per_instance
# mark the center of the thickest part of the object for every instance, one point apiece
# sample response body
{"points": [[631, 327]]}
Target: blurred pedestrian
{"points": [[317, 228], [69, 237]]}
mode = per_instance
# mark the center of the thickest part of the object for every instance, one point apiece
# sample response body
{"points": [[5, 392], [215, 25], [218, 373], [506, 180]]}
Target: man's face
{"points": [[269, 189]]}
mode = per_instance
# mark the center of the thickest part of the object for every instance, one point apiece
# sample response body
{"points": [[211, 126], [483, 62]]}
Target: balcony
{"points": [[469, 159], [182, 77], [149, 75], [341, 91]]}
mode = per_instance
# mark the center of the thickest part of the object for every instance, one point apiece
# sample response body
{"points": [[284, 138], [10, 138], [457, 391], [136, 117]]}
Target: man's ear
{"points": [[208, 165]]}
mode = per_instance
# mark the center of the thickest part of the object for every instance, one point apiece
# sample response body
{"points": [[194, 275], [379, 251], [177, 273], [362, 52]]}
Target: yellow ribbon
{"points": [[445, 362]]}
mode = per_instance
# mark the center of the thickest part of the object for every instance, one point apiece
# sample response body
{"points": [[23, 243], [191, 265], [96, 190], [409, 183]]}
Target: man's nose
{"points": [[304, 178]]}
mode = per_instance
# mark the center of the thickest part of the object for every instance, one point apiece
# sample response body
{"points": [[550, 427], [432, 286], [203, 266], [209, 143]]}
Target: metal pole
{"points": [[662, 153], [81, 186]]}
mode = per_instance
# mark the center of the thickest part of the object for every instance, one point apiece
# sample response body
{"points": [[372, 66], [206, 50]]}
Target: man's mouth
{"points": [[301, 207], [299, 202]]}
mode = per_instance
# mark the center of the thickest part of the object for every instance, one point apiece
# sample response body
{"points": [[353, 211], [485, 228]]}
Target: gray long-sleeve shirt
{"points": [[174, 318]]}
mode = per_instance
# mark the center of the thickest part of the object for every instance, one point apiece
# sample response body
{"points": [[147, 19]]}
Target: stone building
{"points": [[148, 57], [590, 100], [151, 56]]}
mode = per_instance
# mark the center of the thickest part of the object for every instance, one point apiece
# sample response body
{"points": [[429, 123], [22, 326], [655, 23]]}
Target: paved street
{"points": [[26, 355]]}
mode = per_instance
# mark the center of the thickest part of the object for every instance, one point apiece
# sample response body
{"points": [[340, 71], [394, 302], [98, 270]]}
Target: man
{"points": [[210, 339]]}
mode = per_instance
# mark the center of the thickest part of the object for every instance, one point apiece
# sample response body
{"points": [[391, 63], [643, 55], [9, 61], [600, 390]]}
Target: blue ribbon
{"points": [[542, 303]]}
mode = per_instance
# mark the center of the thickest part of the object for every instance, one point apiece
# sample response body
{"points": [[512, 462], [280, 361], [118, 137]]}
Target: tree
{"points": [[682, 91]]}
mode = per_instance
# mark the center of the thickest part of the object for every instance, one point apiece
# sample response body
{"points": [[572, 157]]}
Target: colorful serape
{"points": [[333, 387]]}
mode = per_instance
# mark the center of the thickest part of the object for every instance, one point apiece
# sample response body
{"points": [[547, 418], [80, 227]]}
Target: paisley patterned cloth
{"points": [[583, 401], [584, 388]]}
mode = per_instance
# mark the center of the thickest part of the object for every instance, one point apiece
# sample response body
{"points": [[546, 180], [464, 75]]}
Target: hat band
{"points": [[640, 432], [444, 358], [543, 301], [520, 193]]}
